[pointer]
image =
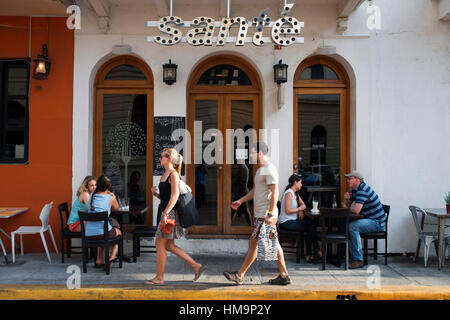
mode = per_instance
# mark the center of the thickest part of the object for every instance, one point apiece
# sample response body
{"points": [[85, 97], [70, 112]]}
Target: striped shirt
{"points": [[372, 208]]}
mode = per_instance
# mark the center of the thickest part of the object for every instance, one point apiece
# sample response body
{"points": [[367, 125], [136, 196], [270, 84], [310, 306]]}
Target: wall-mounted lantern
{"points": [[169, 73], [42, 65], [280, 72]]}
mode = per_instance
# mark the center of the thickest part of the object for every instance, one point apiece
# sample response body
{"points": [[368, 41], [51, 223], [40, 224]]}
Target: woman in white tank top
{"points": [[292, 217]]}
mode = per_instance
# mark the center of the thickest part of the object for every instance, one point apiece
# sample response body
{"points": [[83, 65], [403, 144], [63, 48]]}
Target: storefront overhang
{"points": [[34, 8]]}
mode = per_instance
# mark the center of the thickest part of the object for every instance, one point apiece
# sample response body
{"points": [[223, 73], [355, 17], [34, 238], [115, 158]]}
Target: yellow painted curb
{"points": [[127, 292]]}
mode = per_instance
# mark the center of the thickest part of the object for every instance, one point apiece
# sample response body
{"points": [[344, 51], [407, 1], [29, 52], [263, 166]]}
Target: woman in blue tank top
{"points": [[102, 200]]}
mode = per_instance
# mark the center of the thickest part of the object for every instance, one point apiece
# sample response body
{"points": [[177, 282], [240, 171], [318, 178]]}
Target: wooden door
{"points": [[220, 179]]}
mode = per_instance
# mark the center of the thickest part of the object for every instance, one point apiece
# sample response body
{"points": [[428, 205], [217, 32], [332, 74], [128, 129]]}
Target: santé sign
{"points": [[284, 32]]}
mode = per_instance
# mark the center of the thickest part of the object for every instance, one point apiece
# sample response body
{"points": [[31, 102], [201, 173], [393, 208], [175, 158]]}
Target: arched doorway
{"points": [[321, 122], [223, 94], [123, 132]]}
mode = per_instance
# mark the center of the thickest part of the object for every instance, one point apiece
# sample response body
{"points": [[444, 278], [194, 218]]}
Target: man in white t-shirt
{"points": [[265, 196]]}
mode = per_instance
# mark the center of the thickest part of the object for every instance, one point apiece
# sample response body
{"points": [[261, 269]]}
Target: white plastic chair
{"points": [[44, 216]]}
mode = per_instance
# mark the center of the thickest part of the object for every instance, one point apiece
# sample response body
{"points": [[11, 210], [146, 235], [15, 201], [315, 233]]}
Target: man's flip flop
{"points": [[197, 275]]}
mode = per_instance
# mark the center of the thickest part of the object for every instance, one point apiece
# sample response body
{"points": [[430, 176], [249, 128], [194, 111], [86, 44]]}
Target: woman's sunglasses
{"points": [[163, 156]]}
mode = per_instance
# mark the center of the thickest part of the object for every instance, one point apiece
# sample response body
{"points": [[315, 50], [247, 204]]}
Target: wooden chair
{"points": [[298, 235], [142, 232], [104, 242], [66, 234], [337, 237], [375, 236]]}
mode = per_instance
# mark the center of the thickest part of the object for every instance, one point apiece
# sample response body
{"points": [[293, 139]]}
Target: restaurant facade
{"points": [[367, 88]]}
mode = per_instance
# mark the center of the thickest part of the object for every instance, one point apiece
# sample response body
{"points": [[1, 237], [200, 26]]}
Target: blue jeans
{"points": [[355, 228], [302, 225]]}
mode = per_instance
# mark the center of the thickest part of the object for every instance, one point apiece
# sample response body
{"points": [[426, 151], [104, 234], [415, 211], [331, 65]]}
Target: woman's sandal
{"points": [[199, 273], [153, 283]]}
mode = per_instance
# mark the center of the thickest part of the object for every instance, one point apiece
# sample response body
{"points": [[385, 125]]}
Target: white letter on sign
{"points": [[260, 21], [225, 29], [207, 30], [175, 34], [284, 31]]}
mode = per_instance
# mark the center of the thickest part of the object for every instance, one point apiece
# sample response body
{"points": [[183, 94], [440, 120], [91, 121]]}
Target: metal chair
{"points": [[44, 216], [375, 236], [436, 246], [333, 237], [63, 209], [426, 237]]}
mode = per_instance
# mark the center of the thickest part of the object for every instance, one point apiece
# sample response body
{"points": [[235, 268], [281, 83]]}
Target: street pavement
{"points": [[33, 277]]}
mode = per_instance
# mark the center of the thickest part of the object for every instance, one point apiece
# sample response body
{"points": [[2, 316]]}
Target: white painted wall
{"points": [[400, 91]]}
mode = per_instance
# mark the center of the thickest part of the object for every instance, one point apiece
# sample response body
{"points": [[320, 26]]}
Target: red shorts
{"points": [[73, 227]]}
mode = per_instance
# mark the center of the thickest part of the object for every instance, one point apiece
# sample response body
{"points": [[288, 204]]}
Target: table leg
{"points": [[441, 242], [4, 251], [6, 235]]}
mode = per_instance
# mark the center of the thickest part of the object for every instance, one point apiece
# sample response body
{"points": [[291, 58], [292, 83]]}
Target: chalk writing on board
{"points": [[163, 128]]}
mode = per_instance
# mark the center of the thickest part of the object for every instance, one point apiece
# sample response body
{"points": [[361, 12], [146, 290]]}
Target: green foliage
{"points": [[447, 198]]}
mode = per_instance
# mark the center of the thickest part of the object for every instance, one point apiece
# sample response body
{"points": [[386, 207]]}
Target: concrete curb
{"points": [[208, 292]]}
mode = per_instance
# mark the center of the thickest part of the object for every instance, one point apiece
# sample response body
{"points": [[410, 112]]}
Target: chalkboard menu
{"points": [[163, 128]]}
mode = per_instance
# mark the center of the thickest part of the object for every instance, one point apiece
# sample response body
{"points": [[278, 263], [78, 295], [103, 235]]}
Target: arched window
{"points": [[123, 130], [224, 75], [321, 124], [318, 72], [125, 72]]}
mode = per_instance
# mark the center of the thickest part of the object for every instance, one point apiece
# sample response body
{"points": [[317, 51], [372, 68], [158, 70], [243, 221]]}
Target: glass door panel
{"points": [[124, 151], [242, 117], [207, 173], [319, 146]]}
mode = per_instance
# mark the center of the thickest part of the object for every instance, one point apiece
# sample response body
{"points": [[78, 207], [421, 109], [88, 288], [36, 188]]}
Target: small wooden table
{"points": [[442, 215], [6, 213]]}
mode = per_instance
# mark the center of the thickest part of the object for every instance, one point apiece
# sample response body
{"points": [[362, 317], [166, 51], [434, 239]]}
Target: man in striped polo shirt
{"points": [[364, 201]]}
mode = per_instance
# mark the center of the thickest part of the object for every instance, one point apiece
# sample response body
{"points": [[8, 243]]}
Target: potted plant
{"points": [[447, 201]]}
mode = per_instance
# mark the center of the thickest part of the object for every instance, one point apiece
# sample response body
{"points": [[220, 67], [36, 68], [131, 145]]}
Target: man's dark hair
{"points": [[261, 147]]}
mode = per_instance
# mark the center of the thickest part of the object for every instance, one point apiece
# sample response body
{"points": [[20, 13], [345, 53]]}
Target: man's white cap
{"points": [[355, 174]]}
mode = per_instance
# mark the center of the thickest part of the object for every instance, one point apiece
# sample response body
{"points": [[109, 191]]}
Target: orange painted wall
{"points": [[48, 174]]}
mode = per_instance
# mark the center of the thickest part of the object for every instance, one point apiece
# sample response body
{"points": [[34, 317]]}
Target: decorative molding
{"points": [[444, 10], [103, 24], [347, 7], [100, 7], [342, 25]]}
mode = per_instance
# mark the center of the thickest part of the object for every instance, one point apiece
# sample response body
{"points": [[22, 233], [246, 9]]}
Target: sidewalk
{"points": [[33, 277]]}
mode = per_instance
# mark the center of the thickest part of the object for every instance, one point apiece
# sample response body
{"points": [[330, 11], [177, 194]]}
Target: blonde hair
{"points": [[84, 185], [175, 158]]}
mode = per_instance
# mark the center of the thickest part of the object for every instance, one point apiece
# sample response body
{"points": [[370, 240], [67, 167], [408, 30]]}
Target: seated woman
{"points": [[292, 217], [81, 202], [102, 200]]}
